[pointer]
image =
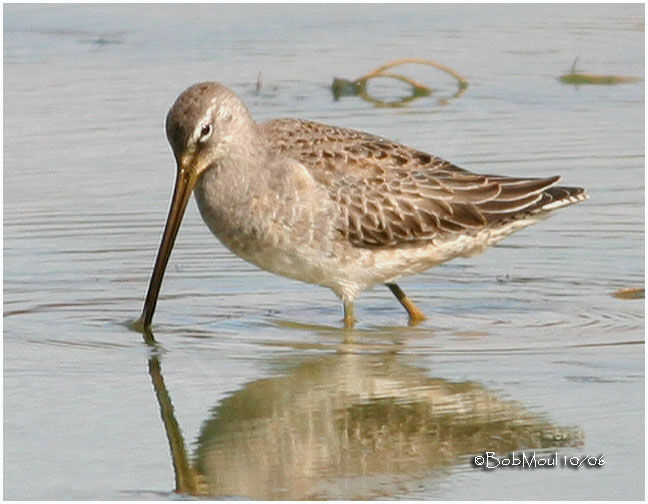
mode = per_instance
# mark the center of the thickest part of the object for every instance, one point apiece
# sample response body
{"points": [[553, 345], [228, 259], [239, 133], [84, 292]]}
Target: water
{"points": [[525, 346]]}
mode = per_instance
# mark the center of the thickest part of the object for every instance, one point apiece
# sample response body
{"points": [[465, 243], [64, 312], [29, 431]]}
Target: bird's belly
{"points": [[343, 268], [300, 263], [305, 246]]}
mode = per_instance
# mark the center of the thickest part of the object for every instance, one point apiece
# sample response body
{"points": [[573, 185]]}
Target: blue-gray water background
{"points": [[530, 328]]}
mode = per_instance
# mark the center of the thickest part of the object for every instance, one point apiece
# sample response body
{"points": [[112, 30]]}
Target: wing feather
{"points": [[389, 194]]}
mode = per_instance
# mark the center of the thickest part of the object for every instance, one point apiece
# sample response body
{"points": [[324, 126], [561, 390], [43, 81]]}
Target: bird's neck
{"points": [[224, 194]]}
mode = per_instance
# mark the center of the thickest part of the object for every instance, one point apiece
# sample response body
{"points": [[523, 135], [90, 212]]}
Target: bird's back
{"points": [[390, 195]]}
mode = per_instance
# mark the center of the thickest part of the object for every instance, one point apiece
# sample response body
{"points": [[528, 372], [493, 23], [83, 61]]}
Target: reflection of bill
{"points": [[349, 426], [532, 460]]}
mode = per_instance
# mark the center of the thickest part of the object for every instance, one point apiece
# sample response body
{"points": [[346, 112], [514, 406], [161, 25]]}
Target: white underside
{"points": [[349, 270], [295, 239]]}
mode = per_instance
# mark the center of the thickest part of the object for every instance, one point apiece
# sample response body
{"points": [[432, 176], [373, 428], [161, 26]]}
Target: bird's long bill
{"points": [[185, 182]]}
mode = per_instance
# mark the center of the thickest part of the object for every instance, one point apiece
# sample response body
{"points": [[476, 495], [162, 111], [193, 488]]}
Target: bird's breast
{"points": [[282, 231]]}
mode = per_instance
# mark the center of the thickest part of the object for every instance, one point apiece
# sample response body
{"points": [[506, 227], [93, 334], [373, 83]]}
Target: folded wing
{"points": [[388, 194]]}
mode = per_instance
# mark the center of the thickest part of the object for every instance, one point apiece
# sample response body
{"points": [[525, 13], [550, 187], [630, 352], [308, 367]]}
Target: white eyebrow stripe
{"points": [[207, 118], [222, 113]]}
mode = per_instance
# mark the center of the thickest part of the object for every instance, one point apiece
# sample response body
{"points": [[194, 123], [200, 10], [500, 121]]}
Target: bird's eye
{"points": [[205, 131]]}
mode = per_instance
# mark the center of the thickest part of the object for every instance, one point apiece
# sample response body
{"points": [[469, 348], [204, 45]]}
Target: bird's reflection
{"points": [[347, 426]]}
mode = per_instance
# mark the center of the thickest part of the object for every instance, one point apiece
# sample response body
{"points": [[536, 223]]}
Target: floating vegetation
{"points": [[576, 78], [358, 87], [600, 80], [630, 293]]}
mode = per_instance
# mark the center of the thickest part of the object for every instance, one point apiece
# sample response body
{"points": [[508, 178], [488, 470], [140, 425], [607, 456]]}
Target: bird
{"points": [[332, 206]]}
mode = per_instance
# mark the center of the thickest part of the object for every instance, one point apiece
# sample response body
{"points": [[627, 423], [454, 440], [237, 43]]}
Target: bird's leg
{"points": [[349, 321], [415, 315]]}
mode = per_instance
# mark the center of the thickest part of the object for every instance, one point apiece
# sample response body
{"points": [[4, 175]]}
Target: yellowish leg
{"points": [[349, 321], [415, 315]]}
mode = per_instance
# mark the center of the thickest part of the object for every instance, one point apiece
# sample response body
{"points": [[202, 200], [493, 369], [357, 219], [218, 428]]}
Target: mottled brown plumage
{"points": [[390, 195], [332, 206]]}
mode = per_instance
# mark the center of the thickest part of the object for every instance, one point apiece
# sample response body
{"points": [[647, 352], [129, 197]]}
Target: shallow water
{"points": [[525, 346]]}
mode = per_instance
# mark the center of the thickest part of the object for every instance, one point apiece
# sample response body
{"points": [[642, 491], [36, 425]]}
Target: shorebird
{"points": [[332, 206]]}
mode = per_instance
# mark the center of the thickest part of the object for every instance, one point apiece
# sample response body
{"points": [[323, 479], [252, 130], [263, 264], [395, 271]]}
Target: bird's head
{"points": [[206, 124]]}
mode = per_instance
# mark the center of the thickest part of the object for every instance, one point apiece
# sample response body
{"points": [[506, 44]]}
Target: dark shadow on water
{"points": [[346, 426]]}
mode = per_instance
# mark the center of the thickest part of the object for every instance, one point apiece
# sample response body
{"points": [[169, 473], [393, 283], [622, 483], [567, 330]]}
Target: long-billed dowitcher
{"points": [[332, 206]]}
